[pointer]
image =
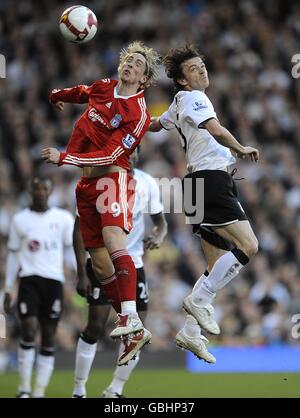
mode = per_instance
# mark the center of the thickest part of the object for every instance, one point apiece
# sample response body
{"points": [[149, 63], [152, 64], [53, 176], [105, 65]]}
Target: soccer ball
{"points": [[78, 24]]}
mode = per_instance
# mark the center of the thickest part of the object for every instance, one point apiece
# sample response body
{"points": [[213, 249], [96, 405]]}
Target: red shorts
{"points": [[104, 201]]}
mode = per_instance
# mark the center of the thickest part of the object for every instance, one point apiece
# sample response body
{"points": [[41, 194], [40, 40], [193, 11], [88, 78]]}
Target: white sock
{"points": [[224, 270], [25, 365], [198, 283], [127, 307], [85, 354], [44, 369], [122, 373], [191, 327]]}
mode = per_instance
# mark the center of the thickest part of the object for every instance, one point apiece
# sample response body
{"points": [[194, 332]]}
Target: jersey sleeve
{"points": [[167, 120], [123, 141], [68, 229], [77, 94], [14, 239], [154, 202], [198, 109]]}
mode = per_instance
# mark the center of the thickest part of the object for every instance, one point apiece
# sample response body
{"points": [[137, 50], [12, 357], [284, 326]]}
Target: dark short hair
{"points": [[173, 60]]}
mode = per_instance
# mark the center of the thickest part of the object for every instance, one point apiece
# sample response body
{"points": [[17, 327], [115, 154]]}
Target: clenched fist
{"points": [[51, 155]]}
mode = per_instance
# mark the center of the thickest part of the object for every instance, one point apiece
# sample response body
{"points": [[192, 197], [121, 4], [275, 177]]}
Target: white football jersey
{"points": [[187, 113], [39, 238], [147, 200]]}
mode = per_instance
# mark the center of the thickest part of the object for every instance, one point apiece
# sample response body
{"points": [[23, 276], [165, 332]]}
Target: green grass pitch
{"points": [[172, 383]]}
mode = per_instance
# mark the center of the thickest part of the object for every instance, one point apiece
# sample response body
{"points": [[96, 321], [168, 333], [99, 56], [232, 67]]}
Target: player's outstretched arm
{"points": [[225, 138], [78, 94], [103, 157], [122, 141]]}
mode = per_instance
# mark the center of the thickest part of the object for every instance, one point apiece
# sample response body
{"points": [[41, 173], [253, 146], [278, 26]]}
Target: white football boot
{"points": [[196, 345], [203, 315]]}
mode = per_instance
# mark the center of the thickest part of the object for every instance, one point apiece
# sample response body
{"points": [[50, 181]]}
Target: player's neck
{"points": [[39, 208], [193, 89], [126, 89]]}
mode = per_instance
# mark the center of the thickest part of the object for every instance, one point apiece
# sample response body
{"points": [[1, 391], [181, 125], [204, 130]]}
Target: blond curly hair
{"points": [[151, 56]]}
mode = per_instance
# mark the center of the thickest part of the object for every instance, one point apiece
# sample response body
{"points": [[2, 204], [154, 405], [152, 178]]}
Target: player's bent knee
{"points": [[250, 247], [93, 332], [28, 335]]}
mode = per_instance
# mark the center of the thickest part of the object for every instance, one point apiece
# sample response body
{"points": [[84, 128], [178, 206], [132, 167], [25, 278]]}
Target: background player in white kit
{"points": [[36, 244], [147, 200], [209, 149]]}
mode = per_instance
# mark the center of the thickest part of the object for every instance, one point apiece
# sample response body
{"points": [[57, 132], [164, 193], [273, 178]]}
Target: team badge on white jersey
{"points": [[200, 105]]}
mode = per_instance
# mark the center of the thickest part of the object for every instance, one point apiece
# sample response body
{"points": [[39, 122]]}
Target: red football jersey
{"points": [[109, 130]]}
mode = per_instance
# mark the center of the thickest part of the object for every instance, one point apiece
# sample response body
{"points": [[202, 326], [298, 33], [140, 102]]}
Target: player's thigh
{"points": [[116, 216], [89, 217], [239, 233], [102, 264], [28, 301], [114, 238], [51, 301]]}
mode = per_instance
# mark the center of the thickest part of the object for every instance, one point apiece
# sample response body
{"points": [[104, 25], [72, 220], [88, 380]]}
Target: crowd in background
{"points": [[248, 50]]}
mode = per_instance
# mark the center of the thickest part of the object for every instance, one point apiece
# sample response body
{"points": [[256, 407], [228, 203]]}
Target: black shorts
{"points": [[97, 297], [40, 297], [221, 204]]}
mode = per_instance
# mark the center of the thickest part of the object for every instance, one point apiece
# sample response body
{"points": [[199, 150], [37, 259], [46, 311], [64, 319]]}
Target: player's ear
{"points": [[182, 82], [144, 81]]}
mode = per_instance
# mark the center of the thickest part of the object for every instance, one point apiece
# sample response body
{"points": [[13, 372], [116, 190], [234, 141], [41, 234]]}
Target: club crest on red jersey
{"points": [[115, 122]]}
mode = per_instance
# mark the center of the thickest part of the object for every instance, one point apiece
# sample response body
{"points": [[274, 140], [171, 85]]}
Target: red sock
{"points": [[126, 274], [111, 290]]}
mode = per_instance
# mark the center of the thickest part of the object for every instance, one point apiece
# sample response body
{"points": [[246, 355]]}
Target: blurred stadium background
{"points": [[248, 47]]}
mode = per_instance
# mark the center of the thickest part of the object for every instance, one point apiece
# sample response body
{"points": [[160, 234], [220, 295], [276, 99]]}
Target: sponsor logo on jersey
{"points": [[108, 105], [95, 117], [128, 141], [200, 105], [115, 122]]}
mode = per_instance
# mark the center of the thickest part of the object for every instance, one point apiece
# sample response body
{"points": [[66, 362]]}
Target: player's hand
{"points": [[155, 125], [50, 155], [252, 152], [83, 286], [7, 304], [152, 242], [58, 104]]}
